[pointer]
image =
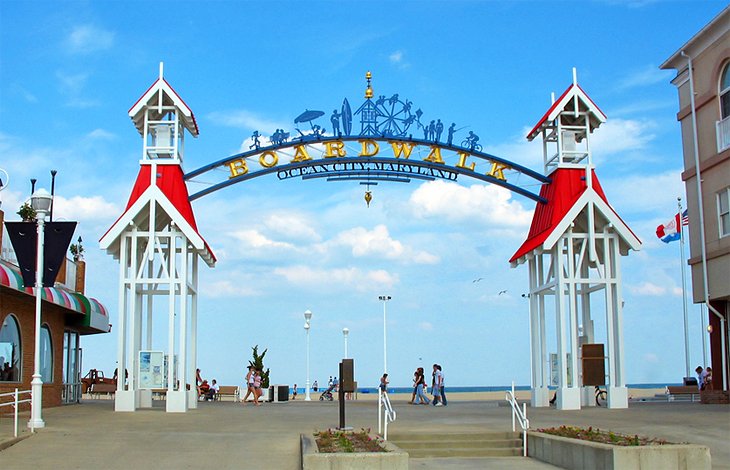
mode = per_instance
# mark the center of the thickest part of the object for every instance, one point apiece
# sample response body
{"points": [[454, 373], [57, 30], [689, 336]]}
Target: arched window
{"points": [[10, 350], [725, 92], [46, 355]]}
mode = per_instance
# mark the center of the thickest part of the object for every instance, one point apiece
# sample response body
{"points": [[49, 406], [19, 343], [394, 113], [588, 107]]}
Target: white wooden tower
{"points": [[573, 252], [157, 243]]}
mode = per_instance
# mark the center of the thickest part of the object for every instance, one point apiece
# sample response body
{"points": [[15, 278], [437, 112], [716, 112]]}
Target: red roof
{"points": [[566, 187], [170, 182]]}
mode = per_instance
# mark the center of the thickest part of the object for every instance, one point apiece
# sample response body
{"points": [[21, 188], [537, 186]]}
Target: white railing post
{"points": [[521, 415], [15, 432], [524, 430], [513, 409], [380, 411]]}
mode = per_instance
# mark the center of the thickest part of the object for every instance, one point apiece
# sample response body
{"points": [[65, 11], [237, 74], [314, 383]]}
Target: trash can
{"points": [[279, 393]]}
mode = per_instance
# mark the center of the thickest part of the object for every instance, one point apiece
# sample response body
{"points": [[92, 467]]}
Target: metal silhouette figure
{"points": [[471, 142], [451, 131], [439, 130], [335, 120], [256, 143]]}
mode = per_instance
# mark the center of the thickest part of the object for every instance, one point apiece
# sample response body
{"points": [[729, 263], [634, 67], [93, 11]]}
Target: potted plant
{"points": [[77, 251], [27, 213], [258, 364]]}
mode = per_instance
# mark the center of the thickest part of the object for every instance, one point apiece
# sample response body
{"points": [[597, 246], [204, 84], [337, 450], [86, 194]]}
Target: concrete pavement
{"points": [[230, 435]]}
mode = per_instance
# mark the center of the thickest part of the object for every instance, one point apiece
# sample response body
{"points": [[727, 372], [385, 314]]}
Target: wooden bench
{"points": [[227, 391], [675, 391], [98, 389]]}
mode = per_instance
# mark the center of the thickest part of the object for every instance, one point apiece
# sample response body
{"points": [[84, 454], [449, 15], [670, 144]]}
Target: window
{"points": [[10, 350], [46, 355], [723, 211], [725, 92]]}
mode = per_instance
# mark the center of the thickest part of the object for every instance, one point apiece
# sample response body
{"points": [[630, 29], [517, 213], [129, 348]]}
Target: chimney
{"points": [[80, 276]]}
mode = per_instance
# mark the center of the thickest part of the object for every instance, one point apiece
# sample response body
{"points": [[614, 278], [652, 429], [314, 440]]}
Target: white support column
{"points": [[181, 279], [123, 399], [588, 392], [539, 391], [573, 311], [193, 359], [568, 398], [617, 395], [543, 323]]}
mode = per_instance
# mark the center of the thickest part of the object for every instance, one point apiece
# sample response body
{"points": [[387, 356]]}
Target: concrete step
{"points": [[426, 436], [459, 445], [462, 453], [448, 443]]}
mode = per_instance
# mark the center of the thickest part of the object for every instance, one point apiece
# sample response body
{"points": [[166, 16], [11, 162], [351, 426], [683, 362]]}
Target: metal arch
{"points": [[384, 138], [362, 174]]}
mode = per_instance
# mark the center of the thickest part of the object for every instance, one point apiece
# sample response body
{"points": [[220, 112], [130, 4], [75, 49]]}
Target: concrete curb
{"points": [[394, 459], [11, 442], [578, 454]]}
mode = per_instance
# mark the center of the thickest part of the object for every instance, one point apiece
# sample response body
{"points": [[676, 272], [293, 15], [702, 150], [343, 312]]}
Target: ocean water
{"points": [[493, 388]]}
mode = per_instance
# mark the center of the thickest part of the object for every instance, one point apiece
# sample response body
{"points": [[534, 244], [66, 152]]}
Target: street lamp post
{"points": [[41, 202], [385, 298], [345, 332], [307, 319]]}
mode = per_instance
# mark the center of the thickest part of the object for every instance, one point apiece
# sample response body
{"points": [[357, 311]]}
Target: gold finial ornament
{"points": [[368, 196], [369, 90]]}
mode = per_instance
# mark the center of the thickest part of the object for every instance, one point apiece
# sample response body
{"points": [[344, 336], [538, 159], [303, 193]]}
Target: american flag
{"points": [[685, 218]]}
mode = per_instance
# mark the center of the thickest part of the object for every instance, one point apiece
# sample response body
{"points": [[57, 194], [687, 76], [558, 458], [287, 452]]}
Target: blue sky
{"points": [[71, 70]]}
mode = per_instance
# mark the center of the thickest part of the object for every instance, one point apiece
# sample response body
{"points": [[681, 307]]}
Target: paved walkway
{"points": [[230, 435]]}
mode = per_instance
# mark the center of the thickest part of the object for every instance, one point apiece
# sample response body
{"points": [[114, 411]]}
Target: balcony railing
{"points": [[723, 134]]}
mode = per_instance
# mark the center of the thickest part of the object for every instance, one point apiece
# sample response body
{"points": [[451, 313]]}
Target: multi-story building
{"points": [[703, 83]]}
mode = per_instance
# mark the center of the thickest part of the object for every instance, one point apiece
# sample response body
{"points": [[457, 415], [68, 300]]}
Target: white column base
{"points": [[540, 397], [36, 397], [617, 397], [568, 398], [192, 398], [145, 398], [177, 401], [125, 400], [588, 396]]}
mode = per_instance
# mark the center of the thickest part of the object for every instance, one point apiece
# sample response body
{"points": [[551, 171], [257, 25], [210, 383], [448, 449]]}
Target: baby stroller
{"points": [[327, 394]]}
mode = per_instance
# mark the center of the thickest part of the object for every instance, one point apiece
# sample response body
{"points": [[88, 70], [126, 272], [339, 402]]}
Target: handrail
{"points": [[521, 415], [16, 401], [388, 413]]}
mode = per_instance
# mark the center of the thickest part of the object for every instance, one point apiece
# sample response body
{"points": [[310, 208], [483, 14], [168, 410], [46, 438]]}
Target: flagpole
{"points": [[682, 262]]}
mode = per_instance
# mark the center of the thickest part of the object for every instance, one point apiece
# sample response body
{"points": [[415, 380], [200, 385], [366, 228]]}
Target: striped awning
{"points": [[95, 314]]}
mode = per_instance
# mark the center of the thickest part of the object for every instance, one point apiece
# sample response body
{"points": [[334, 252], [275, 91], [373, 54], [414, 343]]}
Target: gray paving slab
{"points": [[230, 435]]}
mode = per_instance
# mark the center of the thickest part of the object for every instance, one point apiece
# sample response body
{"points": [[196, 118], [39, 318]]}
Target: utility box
{"points": [[347, 382], [594, 364], [279, 393]]}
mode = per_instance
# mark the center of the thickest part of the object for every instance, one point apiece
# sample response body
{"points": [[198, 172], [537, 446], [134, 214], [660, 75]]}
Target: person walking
{"points": [[384, 383], [256, 387], [415, 386], [420, 385], [249, 384], [443, 386], [436, 385]]}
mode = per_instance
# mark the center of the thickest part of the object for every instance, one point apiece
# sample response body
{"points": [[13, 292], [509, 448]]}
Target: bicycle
{"points": [[474, 147], [600, 396]]}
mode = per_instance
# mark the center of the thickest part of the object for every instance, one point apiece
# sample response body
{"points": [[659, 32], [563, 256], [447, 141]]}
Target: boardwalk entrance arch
{"points": [[572, 250]]}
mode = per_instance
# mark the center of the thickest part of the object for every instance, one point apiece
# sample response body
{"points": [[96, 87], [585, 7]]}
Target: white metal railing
{"points": [[71, 393], [17, 401], [723, 134], [386, 413], [520, 415]]}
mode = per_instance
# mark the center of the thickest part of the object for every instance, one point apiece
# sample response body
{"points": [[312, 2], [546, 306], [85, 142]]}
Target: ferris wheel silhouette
{"points": [[395, 116]]}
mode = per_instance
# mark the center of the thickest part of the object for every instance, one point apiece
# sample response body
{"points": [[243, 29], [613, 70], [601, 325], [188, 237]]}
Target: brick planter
{"points": [[578, 454], [312, 459]]}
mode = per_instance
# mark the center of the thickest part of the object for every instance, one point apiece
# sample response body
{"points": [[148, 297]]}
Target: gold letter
{"points": [[434, 156], [334, 148], [269, 163], [402, 147], [301, 154], [370, 148], [462, 161], [238, 168], [497, 171]]}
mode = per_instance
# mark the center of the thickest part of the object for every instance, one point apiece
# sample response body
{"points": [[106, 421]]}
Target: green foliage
{"points": [[258, 364], [76, 250], [596, 435], [27, 213]]}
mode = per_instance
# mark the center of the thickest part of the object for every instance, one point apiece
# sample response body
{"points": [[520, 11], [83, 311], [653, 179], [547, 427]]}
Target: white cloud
{"points": [[378, 243], [292, 226], [649, 289], [94, 208], [645, 76], [621, 135], [426, 326], [100, 134], [255, 239], [87, 39], [645, 192], [248, 120], [484, 204], [339, 278], [226, 288], [396, 57], [72, 83]]}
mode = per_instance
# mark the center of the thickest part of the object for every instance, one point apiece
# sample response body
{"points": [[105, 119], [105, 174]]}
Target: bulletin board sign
{"points": [[151, 369]]}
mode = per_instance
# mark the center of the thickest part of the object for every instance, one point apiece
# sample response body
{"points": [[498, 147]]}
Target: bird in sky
{"points": [[502, 292], [477, 280]]}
